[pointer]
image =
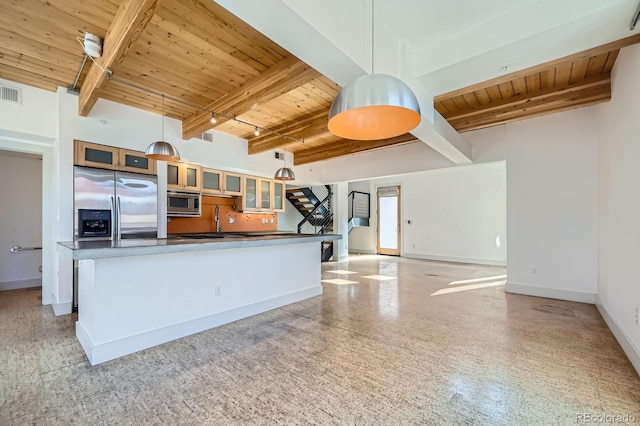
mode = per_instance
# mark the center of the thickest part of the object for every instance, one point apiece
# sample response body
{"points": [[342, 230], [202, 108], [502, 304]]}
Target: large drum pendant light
{"points": [[374, 106], [162, 150]]}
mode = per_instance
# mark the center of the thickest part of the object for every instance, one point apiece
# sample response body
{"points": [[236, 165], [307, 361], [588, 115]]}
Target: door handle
{"points": [[119, 214], [113, 219]]}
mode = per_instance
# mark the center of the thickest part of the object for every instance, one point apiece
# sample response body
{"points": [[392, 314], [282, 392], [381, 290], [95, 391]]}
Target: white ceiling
{"points": [[449, 44], [435, 46]]}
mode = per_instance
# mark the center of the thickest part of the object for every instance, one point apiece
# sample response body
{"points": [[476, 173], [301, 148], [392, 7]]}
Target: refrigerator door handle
{"points": [[113, 217], [119, 218]]}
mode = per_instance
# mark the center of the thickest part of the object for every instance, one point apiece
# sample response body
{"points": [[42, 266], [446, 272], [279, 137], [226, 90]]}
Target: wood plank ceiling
{"points": [[203, 59], [574, 81], [196, 53]]}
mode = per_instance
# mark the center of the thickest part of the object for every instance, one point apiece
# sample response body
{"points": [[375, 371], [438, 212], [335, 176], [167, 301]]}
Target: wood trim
{"points": [[380, 250], [343, 147], [586, 54], [281, 78], [127, 26]]}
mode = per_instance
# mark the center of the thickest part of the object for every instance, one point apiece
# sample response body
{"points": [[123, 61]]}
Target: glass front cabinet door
{"points": [[136, 162], [211, 182], [250, 199], [94, 155], [265, 194], [232, 184], [278, 196]]}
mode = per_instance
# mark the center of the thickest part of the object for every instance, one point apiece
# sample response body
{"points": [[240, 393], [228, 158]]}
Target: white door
{"points": [[388, 220]]}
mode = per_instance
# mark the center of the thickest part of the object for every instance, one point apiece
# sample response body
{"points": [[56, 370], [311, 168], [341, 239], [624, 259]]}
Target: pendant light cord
{"points": [[162, 118], [372, 35]]}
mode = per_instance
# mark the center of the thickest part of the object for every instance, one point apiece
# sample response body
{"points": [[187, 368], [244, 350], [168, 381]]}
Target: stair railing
{"points": [[320, 219]]}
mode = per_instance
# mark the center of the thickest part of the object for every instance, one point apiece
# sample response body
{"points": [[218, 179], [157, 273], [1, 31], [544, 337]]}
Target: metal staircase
{"points": [[315, 205]]}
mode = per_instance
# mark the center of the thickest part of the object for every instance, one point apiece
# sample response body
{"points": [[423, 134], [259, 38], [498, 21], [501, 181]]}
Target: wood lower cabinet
{"points": [[112, 158], [184, 176]]}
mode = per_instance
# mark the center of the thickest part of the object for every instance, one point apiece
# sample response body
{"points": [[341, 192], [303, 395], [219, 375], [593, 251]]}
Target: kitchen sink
{"points": [[199, 236]]}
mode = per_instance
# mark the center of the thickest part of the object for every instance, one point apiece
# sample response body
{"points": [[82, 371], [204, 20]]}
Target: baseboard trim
{"points": [[361, 251], [493, 262], [18, 284], [550, 293], [632, 352], [63, 308], [101, 352]]}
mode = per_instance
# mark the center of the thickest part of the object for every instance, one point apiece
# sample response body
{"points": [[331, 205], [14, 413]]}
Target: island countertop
{"points": [[78, 250]]}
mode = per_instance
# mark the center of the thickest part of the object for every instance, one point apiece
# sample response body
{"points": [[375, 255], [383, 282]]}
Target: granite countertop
{"points": [[78, 250]]}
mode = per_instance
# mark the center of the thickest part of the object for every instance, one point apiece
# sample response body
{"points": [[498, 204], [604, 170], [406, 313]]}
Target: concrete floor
{"points": [[410, 344]]}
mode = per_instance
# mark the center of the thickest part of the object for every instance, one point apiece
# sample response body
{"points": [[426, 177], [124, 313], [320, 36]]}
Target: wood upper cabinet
{"points": [[233, 184], [261, 195], [136, 162], [218, 182], [184, 176], [112, 158]]}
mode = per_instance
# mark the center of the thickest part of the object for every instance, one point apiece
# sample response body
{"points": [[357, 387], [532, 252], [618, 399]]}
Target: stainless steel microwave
{"points": [[182, 203]]}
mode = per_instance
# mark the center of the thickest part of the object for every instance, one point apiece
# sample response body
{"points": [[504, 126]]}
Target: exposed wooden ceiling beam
{"points": [[346, 147], [539, 105], [527, 98], [127, 26], [302, 129], [279, 79], [586, 54]]}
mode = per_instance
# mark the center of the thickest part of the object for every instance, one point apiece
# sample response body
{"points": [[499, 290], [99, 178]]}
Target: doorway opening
{"points": [[21, 221], [388, 220]]}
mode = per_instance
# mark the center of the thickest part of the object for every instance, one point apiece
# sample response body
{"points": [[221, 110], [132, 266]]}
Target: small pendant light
{"points": [[162, 150], [284, 173], [374, 106]]}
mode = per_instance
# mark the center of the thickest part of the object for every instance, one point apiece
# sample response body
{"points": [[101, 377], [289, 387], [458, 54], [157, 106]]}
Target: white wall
{"points": [[20, 132], [552, 205], [619, 204], [288, 221], [20, 219], [35, 116], [457, 214]]}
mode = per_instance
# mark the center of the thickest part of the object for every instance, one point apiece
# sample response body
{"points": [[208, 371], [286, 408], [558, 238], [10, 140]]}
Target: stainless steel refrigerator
{"points": [[110, 205], [129, 202]]}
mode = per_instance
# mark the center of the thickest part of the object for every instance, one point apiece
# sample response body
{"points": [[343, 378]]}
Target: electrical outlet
{"points": [[231, 220], [637, 313], [217, 290], [535, 272]]}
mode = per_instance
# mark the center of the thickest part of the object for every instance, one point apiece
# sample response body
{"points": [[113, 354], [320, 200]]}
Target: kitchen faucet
{"points": [[216, 219]]}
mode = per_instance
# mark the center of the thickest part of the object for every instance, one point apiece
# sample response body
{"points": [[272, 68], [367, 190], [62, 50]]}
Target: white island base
{"points": [[131, 303]]}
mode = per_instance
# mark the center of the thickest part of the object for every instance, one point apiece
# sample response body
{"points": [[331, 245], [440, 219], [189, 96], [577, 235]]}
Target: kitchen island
{"points": [[135, 294]]}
